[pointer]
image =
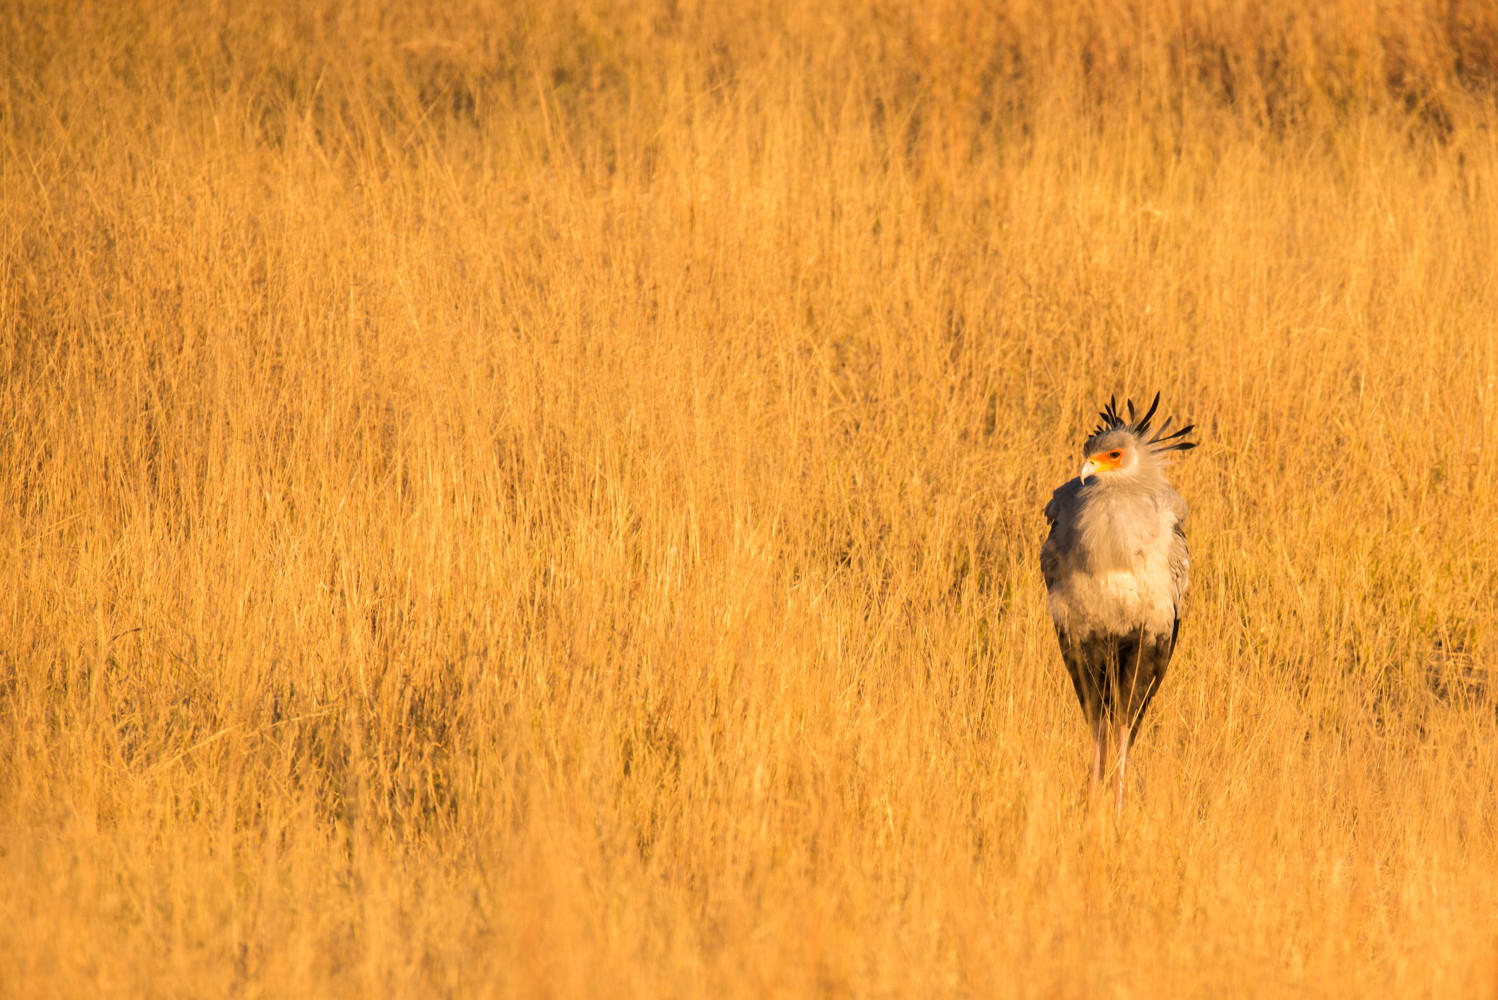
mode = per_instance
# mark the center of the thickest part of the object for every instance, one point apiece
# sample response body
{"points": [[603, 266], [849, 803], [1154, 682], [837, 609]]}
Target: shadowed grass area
{"points": [[547, 501]]}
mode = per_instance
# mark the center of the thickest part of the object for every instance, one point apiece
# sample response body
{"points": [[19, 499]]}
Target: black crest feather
{"points": [[1113, 419]]}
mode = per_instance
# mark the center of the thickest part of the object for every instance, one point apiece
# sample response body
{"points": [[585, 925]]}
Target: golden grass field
{"points": [[546, 501]]}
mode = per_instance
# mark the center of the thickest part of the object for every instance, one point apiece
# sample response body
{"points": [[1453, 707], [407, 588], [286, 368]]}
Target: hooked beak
{"points": [[1088, 468]]}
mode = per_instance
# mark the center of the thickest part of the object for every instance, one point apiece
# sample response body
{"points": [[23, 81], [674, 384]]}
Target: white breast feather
{"points": [[1117, 580]]}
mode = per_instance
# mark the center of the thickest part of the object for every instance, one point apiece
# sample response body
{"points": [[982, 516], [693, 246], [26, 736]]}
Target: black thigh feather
{"points": [[1116, 676]]}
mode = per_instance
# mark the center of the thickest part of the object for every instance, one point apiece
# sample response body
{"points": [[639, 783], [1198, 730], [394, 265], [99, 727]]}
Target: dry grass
{"points": [[548, 503]]}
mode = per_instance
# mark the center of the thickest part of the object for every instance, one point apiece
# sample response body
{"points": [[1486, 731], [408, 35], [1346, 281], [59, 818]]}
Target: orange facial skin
{"points": [[1106, 461]]}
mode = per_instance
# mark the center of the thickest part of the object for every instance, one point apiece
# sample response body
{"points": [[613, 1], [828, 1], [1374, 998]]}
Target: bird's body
{"points": [[1116, 568]]}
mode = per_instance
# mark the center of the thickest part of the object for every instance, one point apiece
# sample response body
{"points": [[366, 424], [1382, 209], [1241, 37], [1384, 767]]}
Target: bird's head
{"points": [[1111, 453], [1121, 448]]}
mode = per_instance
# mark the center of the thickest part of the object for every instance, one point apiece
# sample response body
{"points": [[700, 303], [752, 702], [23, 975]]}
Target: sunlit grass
{"points": [[549, 503]]}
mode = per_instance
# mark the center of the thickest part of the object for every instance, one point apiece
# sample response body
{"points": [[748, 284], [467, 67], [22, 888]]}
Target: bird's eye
{"points": [[1115, 455]]}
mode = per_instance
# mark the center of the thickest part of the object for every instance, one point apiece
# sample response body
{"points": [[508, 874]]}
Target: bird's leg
{"points": [[1099, 751], [1123, 759]]}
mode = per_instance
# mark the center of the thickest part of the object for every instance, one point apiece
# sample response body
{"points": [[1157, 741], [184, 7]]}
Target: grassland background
{"points": [[545, 500]]}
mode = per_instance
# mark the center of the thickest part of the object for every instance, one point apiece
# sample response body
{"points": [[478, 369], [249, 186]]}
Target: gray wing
{"points": [[1060, 514], [1179, 558], [1180, 567]]}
